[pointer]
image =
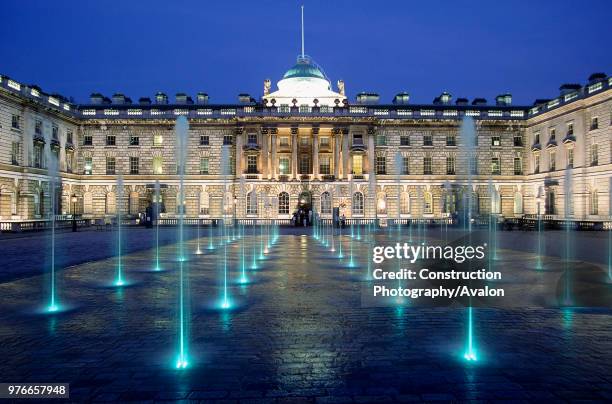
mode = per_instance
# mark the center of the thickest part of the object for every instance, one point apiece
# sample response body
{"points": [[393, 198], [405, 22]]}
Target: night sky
{"points": [[471, 49]]}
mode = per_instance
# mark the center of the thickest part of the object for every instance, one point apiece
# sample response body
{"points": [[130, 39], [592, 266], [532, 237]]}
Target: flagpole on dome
{"points": [[302, 31]]}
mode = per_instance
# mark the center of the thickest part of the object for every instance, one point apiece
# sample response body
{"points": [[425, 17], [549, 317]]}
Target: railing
{"points": [[174, 221], [426, 221], [260, 222], [32, 225]]}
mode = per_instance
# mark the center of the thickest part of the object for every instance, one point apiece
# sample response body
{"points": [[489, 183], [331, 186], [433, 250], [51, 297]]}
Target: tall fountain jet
{"points": [[119, 279], [53, 174], [181, 130], [468, 145]]}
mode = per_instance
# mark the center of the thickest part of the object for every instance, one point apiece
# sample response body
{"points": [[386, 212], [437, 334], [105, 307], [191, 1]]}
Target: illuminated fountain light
{"points": [[470, 353], [181, 131], [119, 279]]}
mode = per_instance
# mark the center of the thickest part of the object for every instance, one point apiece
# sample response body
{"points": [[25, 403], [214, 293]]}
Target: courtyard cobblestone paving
{"points": [[297, 333]]}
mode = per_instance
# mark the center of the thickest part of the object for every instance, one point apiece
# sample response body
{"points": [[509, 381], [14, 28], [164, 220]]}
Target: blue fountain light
{"points": [[470, 353]]}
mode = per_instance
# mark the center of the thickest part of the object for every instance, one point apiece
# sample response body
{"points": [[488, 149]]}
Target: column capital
{"points": [[239, 130], [315, 130], [294, 130]]}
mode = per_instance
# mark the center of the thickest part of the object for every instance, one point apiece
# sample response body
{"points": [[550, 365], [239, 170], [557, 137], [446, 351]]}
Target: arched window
{"points": [[518, 203], [251, 203], [283, 203], [405, 203], [427, 203], [594, 205], [326, 203], [357, 203], [495, 201]]}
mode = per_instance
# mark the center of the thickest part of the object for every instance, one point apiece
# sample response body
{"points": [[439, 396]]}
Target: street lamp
{"points": [[74, 199]]}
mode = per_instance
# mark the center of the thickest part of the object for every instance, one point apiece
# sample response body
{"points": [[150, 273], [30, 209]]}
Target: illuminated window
{"points": [[251, 203], [283, 165], [495, 140], [158, 165], [326, 203], [158, 140], [357, 203], [88, 165], [325, 165], [283, 203], [324, 141], [358, 165], [284, 141]]}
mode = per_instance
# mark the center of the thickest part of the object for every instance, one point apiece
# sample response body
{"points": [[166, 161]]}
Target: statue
{"points": [[341, 87], [267, 85]]}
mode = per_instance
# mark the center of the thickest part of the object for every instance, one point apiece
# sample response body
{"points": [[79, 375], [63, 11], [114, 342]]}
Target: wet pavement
{"points": [[296, 332]]}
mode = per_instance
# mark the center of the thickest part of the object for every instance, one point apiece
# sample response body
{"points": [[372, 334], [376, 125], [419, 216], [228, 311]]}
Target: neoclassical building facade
{"points": [[306, 144]]}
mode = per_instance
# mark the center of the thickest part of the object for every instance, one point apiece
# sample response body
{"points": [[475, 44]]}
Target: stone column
{"points": [[371, 153], [345, 154], [28, 138], [337, 141], [274, 162], [315, 153], [264, 155], [238, 152], [294, 153], [62, 151]]}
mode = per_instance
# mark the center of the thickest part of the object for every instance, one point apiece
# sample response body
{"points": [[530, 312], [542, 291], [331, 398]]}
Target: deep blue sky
{"points": [[469, 48]]}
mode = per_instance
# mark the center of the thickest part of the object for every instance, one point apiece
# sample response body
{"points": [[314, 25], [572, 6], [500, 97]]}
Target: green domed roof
{"points": [[304, 68]]}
